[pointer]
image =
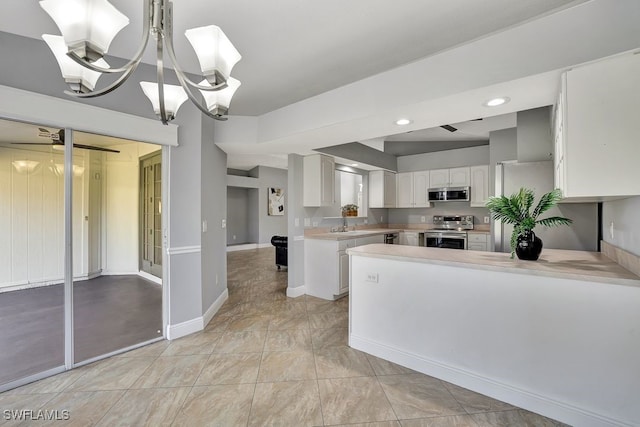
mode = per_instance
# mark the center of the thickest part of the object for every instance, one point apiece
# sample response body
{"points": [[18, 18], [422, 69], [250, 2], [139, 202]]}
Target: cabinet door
{"points": [[411, 239], [477, 247], [459, 177], [405, 189], [343, 272], [389, 190], [420, 187], [327, 180], [376, 189], [438, 178], [479, 185]]}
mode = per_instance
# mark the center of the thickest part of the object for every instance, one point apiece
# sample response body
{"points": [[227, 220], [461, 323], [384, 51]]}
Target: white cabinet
{"points": [[326, 265], [596, 130], [382, 189], [453, 177], [318, 180], [409, 238], [412, 189], [477, 242], [479, 176]]}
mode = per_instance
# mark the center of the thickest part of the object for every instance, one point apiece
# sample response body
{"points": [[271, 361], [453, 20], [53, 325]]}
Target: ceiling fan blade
{"points": [[449, 128], [93, 147], [34, 143]]}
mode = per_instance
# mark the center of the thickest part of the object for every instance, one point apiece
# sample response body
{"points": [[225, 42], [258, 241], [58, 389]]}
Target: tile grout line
{"points": [[315, 367]]}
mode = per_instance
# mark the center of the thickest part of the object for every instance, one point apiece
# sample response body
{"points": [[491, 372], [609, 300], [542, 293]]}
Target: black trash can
{"points": [[280, 242]]}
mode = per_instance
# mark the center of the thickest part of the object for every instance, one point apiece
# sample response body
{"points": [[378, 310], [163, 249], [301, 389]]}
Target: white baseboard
{"points": [[296, 292], [248, 246], [543, 405], [213, 309], [150, 277], [120, 273], [194, 325]]}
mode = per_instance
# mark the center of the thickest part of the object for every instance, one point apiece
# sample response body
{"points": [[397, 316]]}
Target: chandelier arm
{"points": [[146, 31], [160, 74], [198, 103], [108, 89]]}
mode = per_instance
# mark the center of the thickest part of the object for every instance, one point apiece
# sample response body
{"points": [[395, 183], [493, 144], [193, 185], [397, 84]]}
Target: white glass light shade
{"points": [[215, 51], [25, 166], [220, 99], [174, 97], [81, 79], [88, 26]]}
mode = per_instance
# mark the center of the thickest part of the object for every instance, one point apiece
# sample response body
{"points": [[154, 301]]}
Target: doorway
{"points": [[151, 214]]}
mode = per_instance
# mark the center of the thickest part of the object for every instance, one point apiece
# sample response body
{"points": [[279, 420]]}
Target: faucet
{"points": [[345, 224]]}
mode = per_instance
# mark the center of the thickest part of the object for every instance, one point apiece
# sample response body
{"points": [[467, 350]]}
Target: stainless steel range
{"points": [[450, 231]]}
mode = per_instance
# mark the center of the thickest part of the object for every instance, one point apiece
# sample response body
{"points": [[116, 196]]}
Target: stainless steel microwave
{"points": [[449, 194]]}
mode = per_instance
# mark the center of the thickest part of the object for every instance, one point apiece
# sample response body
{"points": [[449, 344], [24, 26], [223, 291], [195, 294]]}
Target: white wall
{"points": [[471, 156], [624, 215]]}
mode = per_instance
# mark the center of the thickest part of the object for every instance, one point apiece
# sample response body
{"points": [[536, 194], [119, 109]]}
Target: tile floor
{"points": [[264, 360]]}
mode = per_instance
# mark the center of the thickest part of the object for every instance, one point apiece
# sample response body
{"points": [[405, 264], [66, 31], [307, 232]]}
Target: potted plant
{"points": [[516, 210], [350, 210]]}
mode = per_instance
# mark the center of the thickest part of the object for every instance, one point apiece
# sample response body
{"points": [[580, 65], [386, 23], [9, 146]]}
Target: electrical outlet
{"points": [[234, 237], [315, 223], [380, 218], [611, 230], [296, 222], [307, 222], [486, 220], [423, 219], [205, 226], [372, 277], [224, 223], [366, 221]]}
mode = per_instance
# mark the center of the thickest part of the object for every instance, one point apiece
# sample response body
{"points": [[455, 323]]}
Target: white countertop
{"points": [[345, 235], [581, 265]]}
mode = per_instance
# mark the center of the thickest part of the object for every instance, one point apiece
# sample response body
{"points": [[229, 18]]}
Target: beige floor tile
{"points": [[498, 419], [419, 396], [293, 403], [241, 342], [220, 405], [329, 320], [534, 420], [230, 368], [449, 421], [288, 340], [384, 367], [341, 362], [473, 402], [289, 321], [111, 374], [249, 323], [151, 350], [15, 403], [152, 408], [354, 400], [85, 408], [217, 324], [198, 343], [322, 338], [172, 371], [323, 306], [52, 384], [373, 424], [286, 366]]}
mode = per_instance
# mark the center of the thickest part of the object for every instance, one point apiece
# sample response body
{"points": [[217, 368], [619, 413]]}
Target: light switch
{"points": [[296, 222], [486, 220], [224, 223], [205, 226]]}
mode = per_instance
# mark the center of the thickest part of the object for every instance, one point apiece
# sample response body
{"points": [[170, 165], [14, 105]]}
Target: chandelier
{"points": [[89, 26]]}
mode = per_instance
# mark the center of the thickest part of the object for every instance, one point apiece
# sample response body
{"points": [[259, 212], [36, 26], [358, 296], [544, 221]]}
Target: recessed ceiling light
{"points": [[497, 101], [403, 122], [354, 164]]}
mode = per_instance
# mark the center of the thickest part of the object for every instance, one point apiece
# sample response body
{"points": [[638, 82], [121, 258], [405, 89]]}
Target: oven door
{"points": [[445, 240]]}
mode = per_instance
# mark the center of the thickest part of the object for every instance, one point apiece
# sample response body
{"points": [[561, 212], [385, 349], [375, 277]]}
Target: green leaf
{"points": [[547, 201], [554, 221]]}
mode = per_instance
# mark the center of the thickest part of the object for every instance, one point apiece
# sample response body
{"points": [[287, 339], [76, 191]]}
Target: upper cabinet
{"points": [[318, 180], [596, 130], [412, 189], [454, 177], [382, 189], [479, 176]]}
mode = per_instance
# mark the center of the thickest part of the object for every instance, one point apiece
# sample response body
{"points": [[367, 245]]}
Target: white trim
{"points": [[116, 352], [180, 250], [46, 110], [120, 273], [199, 323], [247, 246], [213, 309], [150, 277], [31, 378], [296, 292], [561, 411]]}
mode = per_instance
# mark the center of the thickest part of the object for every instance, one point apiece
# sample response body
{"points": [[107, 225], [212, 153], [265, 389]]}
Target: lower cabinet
{"points": [[326, 265], [478, 242], [409, 238]]}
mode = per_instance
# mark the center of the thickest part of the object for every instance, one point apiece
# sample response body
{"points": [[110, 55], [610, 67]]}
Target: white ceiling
{"points": [[296, 49]]}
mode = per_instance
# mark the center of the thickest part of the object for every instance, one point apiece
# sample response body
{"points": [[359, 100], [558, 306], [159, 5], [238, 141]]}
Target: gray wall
{"points": [[253, 218], [626, 229], [413, 215], [29, 65], [270, 225], [534, 135], [238, 215], [471, 156]]}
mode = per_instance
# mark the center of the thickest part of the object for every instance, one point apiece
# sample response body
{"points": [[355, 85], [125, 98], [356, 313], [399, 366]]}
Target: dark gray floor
{"points": [[110, 313]]}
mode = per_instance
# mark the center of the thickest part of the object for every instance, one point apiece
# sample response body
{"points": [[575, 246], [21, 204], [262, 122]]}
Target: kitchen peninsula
{"points": [[559, 336]]}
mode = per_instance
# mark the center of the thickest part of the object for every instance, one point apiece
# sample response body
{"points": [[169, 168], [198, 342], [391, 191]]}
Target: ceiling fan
{"points": [[452, 129], [57, 140]]}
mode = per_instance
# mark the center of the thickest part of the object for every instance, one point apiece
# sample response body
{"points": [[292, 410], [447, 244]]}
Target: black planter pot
{"points": [[529, 246]]}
